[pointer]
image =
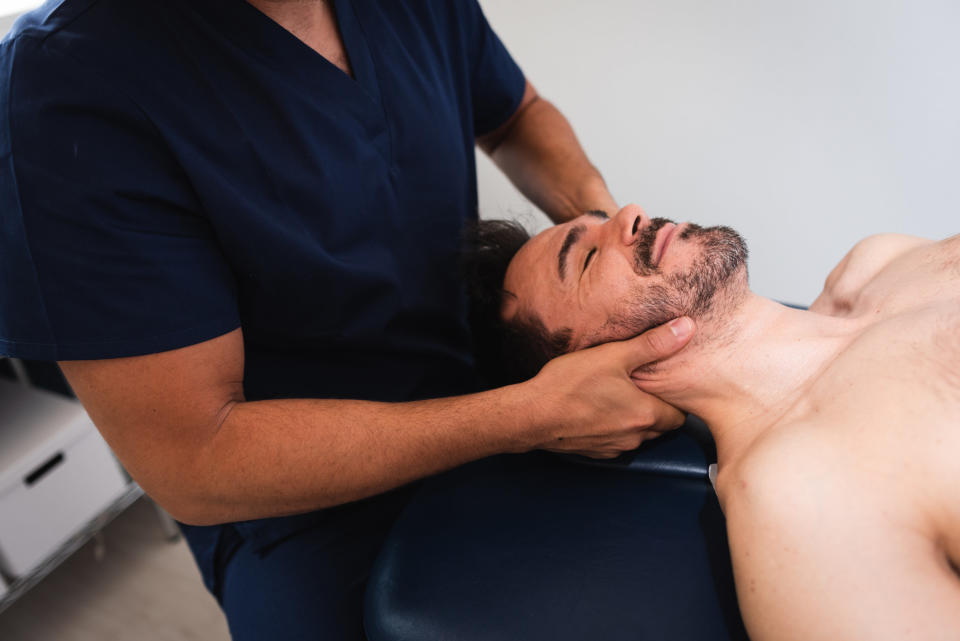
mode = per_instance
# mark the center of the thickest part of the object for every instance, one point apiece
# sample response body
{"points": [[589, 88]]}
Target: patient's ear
{"points": [[509, 305]]}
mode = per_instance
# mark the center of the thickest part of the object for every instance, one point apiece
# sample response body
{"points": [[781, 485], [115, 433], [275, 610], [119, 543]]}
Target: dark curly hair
{"points": [[511, 351]]}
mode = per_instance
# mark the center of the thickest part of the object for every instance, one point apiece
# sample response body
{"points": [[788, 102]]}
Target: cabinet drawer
{"points": [[56, 474]]}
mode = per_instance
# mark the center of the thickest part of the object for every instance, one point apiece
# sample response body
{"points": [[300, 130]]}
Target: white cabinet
{"points": [[59, 484], [56, 474]]}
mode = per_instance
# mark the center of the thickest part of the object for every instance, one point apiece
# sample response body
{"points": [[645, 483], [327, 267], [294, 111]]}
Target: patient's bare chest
{"points": [[890, 403]]}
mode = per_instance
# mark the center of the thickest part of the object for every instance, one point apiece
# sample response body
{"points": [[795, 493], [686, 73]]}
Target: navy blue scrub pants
{"points": [[309, 585]]}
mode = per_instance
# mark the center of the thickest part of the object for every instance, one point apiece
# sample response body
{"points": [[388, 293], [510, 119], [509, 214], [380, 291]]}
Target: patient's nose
{"points": [[629, 222]]}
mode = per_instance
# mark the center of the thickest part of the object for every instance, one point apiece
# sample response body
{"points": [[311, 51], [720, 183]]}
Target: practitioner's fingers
{"points": [[654, 344]]}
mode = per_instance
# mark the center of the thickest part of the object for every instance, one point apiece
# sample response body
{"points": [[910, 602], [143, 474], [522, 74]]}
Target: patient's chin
{"points": [[713, 322], [718, 278], [707, 294], [708, 289]]}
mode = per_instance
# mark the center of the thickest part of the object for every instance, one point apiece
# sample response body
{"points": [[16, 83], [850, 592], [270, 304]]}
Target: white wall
{"points": [[804, 125], [10, 10], [6, 22]]}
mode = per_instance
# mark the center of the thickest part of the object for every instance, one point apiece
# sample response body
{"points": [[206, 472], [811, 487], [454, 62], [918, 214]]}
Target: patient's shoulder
{"points": [[786, 472], [861, 264]]}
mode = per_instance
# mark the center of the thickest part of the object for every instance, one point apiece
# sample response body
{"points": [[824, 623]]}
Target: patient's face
{"points": [[609, 279]]}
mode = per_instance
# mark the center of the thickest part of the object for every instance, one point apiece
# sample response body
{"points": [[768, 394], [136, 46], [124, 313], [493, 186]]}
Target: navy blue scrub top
{"points": [[174, 169]]}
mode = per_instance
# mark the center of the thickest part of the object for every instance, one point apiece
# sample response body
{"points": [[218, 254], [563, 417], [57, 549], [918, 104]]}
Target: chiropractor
{"points": [[236, 225]]}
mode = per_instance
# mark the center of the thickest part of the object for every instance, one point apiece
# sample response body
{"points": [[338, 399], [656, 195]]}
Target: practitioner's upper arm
{"points": [[159, 411]]}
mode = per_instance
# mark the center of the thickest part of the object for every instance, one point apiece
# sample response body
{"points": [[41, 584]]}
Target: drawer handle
{"points": [[44, 469]]}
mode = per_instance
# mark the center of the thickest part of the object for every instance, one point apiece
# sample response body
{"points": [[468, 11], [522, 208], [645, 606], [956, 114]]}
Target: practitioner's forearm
{"points": [[277, 457], [180, 424]]}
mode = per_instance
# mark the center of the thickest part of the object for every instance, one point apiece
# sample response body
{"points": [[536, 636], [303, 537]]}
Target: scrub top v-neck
{"points": [[279, 49], [181, 168]]}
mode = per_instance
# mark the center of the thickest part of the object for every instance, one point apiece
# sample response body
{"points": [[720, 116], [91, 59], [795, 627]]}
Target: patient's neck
{"points": [[749, 364]]}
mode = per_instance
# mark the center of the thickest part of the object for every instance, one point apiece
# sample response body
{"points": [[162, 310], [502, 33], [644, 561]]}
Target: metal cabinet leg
{"points": [[167, 524], [20, 371]]}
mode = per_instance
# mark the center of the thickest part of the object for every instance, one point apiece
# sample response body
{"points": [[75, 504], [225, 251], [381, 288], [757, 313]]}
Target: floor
{"points": [[137, 587]]}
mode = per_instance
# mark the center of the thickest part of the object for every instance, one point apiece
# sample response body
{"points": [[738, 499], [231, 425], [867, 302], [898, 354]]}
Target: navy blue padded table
{"points": [[542, 547]]}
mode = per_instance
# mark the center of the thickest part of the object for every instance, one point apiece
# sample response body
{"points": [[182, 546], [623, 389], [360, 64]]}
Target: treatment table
{"points": [[541, 546]]}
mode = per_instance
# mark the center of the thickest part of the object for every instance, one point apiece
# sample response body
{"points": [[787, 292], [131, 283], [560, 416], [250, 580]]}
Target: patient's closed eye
{"points": [[587, 261]]}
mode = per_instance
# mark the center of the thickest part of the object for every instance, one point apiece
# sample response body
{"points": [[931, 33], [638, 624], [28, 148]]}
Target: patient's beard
{"points": [[714, 282]]}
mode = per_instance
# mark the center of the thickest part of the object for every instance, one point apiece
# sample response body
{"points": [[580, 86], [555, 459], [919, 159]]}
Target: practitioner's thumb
{"points": [[658, 343]]}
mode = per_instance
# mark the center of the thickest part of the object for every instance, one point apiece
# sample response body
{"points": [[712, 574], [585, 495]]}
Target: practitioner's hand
{"points": [[586, 402]]}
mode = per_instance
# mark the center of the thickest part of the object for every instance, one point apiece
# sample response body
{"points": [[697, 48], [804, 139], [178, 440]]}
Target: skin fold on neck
{"points": [[748, 368]]}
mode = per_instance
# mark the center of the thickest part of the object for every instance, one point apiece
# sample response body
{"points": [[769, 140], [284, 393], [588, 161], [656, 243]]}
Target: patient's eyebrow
{"points": [[572, 236], [597, 213]]}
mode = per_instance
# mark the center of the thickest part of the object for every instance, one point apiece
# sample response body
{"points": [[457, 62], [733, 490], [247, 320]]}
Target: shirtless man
{"points": [[837, 428]]}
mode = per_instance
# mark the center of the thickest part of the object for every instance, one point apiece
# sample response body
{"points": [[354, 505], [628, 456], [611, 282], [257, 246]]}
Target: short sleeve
{"points": [[497, 83], [104, 251]]}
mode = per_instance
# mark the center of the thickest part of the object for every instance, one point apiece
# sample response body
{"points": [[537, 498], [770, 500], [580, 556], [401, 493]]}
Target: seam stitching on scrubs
{"points": [[486, 29], [31, 32], [376, 72], [475, 58]]}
